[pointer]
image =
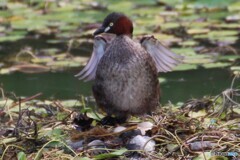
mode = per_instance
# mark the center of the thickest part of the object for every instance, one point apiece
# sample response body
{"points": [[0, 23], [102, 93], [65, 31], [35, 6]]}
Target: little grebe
{"points": [[125, 71]]}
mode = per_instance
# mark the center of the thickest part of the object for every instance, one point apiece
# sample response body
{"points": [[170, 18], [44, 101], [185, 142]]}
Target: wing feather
{"points": [[89, 71], [165, 59]]}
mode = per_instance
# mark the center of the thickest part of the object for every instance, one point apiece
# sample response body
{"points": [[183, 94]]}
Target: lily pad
{"points": [[199, 59], [184, 67], [30, 68], [70, 103], [169, 25], [235, 68], [56, 64], [189, 43], [42, 60], [194, 31], [227, 25], [4, 103], [234, 6], [222, 33], [186, 51], [11, 38], [229, 57], [216, 65]]}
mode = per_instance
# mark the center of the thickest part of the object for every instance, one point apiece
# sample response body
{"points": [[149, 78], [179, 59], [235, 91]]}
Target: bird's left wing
{"points": [[89, 71], [165, 59]]}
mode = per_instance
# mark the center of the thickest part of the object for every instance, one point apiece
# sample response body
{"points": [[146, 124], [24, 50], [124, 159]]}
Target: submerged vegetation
{"points": [[53, 36]]}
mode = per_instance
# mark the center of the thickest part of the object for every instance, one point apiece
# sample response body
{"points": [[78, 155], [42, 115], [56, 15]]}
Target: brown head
{"points": [[116, 23]]}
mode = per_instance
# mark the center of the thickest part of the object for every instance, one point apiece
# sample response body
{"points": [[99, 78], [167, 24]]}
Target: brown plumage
{"points": [[126, 79], [125, 71]]}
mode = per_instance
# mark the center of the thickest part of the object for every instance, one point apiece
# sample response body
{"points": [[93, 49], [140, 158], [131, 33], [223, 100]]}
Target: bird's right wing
{"points": [[89, 71]]}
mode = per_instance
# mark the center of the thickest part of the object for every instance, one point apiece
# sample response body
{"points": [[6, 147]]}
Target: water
{"points": [[179, 87]]}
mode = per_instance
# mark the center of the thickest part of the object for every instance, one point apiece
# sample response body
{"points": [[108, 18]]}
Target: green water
{"points": [[179, 87]]}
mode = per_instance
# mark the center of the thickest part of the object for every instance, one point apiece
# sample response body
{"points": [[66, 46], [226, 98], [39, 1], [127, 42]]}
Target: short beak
{"points": [[99, 31]]}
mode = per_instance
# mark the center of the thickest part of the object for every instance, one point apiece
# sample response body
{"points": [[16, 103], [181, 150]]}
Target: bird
{"points": [[125, 71]]}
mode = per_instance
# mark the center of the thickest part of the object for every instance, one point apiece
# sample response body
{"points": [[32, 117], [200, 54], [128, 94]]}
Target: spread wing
{"points": [[89, 71], [165, 59]]}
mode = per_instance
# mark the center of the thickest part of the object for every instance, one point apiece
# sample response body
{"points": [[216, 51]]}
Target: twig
{"points": [[11, 145], [61, 107], [39, 153], [179, 143], [26, 99], [2, 91]]}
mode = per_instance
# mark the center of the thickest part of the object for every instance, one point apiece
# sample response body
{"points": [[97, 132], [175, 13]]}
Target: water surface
{"points": [[179, 87]]}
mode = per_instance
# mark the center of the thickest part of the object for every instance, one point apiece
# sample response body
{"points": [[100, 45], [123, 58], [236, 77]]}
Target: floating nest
{"points": [[206, 128]]}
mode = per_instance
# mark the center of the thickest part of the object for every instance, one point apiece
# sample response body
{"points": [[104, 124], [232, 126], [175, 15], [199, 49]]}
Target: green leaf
{"points": [[171, 147], [61, 116], [81, 158], [54, 132], [202, 156], [197, 114], [112, 154], [94, 115], [21, 156]]}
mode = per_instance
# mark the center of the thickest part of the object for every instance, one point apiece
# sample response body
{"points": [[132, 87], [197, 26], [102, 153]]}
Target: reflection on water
{"points": [[180, 85]]}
